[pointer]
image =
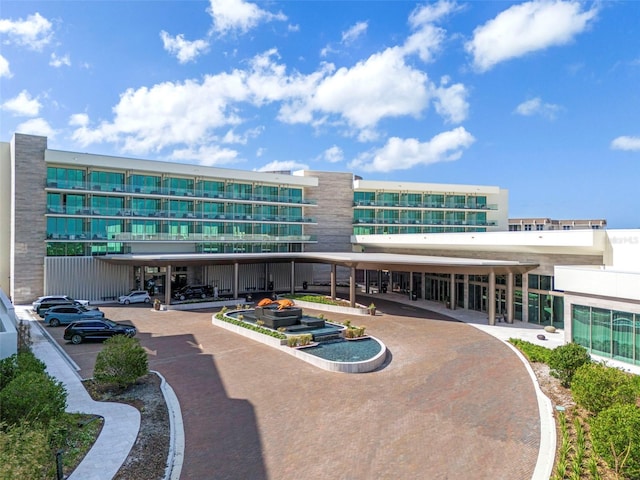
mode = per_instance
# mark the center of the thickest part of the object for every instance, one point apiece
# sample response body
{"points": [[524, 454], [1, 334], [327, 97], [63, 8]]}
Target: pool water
{"points": [[346, 350]]}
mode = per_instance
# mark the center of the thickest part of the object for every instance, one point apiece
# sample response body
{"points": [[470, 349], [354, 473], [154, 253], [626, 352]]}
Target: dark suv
{"points": [[193, 291], [97, 329]]}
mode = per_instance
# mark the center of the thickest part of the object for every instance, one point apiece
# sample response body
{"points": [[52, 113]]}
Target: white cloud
{"points": [[332, 154], [79, 120], [23, 105], [536, 106], [283, 166], [381, 86], [184, 50], [626, 143], [238, 15], [5, 71], [232, 137], [430, 13], [526, 28], [57, 62], [36, 126], [427, 39], [209, 155], [34, 32], [402, 154], [355, 32], [451, 101]]}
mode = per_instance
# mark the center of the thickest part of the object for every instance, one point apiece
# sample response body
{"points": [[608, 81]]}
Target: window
{"points": [[539, 227]]}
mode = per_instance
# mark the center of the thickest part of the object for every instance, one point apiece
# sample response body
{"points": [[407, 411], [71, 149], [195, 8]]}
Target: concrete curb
{"points": [[175, 457]]}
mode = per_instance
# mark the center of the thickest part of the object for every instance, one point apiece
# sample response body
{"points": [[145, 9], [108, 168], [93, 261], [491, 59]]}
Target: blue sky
{"points": [[540, 97]]}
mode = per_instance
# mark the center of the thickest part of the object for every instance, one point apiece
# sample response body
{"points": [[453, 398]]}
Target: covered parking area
{"points": [[353, 261]]}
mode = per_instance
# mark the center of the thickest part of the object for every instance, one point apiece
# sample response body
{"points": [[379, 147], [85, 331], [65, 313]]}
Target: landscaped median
{"points": [[279, 340], [326, 304]]}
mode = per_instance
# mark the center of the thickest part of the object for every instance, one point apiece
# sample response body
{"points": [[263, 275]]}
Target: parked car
{"points": [[66, 314], [97, 329], [193, 291], [42, 304], [135, 296]]}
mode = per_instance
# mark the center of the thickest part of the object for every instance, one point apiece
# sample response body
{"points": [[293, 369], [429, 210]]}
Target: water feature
{"points": [[346, 350], [332, 351]]}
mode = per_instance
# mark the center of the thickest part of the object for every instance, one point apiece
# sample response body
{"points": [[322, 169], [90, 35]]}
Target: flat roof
{"points": [[358, 260]]}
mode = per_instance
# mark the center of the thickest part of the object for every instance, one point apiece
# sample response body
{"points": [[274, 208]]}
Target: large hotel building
{"points": [[95, 226]]}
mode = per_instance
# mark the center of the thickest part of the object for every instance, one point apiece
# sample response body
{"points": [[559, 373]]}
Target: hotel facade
{"points": [[94, 227]]}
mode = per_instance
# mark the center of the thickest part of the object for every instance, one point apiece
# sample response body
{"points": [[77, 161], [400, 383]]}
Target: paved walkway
{"points": [[452, 403]]}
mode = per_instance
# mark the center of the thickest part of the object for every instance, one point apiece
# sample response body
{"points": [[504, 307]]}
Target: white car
{"points": [[136, 296]]}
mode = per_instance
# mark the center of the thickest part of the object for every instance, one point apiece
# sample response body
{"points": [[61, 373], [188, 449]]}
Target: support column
{"points": [[352, 287], [293, 277], [491, 298], [411, 285], [333, 281], [452, 289], [167, 286], [367, 280], [423, 283], [525, 297], [510, 297], [466, 291], [236, 280]]}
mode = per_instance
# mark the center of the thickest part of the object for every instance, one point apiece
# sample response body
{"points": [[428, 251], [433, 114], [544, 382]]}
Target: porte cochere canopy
{"points": [[353, 260]]}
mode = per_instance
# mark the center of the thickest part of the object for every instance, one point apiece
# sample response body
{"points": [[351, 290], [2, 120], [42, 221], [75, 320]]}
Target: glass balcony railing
{"points": [[190, 237], [168, 214], [176, 192], [408, 222], [423, 206]]}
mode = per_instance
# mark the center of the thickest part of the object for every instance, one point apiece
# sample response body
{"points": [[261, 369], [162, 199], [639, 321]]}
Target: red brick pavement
{"points": [[452, 402]]}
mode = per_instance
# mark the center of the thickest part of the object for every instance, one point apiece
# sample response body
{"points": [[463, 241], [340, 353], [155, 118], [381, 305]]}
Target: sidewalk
{"points": [[121, 421]]}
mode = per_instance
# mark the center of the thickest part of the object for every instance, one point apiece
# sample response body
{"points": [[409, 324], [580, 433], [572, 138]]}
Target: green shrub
{"points": [[121, 362], [533, 352], [615, 435], [18, 363], [25, 453], [32, 397], [565, 360], [596, 387]]}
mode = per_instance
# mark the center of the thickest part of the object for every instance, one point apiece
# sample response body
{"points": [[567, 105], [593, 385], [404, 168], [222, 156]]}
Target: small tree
{"points": [[32, 397], [566, 359], [596, 387], [121, 362], [615, 434]]}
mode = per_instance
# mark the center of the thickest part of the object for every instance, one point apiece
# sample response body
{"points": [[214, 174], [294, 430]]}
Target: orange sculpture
{"points": [[282, 303]]}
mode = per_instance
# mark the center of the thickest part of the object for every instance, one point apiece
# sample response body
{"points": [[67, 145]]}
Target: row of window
{"points": [[95, 180], [402, 229], [69, 249], [419, 200], [110, 229], [609, 333], [428, 217]]}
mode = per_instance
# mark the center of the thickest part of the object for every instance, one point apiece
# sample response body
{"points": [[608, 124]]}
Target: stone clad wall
{"points": [[334, 214], [28, 221]]}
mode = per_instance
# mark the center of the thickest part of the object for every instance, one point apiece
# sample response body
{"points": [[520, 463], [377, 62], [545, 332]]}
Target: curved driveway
{"points": [[452, 402]]}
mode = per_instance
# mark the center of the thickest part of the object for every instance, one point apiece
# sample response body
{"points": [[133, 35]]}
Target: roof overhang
{"points": [[550, 242], [361, 261]]}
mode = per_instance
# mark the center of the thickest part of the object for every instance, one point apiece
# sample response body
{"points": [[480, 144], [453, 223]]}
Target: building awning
{"points": [[357, 260]]}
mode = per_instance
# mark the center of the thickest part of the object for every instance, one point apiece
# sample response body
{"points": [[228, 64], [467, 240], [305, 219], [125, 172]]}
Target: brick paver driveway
{"points": [[451, 402]]}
